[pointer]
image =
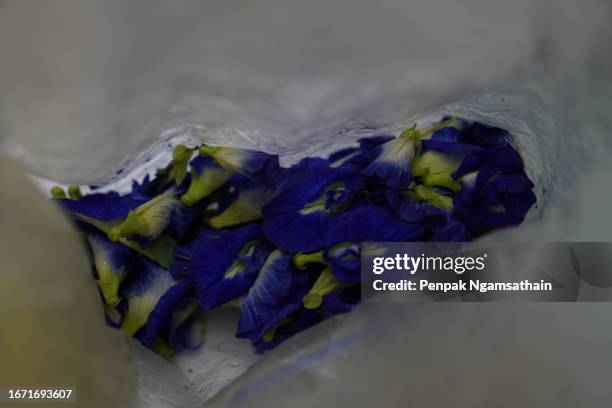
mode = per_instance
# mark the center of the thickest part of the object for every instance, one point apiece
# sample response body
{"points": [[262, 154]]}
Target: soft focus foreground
{"points": [[53, 331]]}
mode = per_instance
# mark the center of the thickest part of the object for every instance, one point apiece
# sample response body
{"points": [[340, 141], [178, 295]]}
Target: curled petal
{"points": [[448, 134], [149, 219], [392, 162], [325, 284], [143, 294], [206, 177], [345, 261], [273, 297], [488, 162], [162, 311], [503, 201], [112, 262], [247, 204], [250, 163], [223, 264], [103, 206], [186, 326], [485, 135]]}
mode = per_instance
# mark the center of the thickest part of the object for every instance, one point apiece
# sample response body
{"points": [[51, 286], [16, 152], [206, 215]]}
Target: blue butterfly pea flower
{"points": [[484, 135], [307, 205], [162, 311], [250, 196], [186, 326], [112, 262], [148, 220], [104, 206], [145, 291], [366, 223], [391, 162], [358, 157], [503, 201], [222, 264], [250, 163], [276, 293], [206, 177], [437, 221], [486, 163]]}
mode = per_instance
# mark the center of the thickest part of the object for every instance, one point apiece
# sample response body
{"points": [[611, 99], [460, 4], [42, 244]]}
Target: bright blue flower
{"points": [[112, 262], [222, 264], [307, 205], [276, 294]]}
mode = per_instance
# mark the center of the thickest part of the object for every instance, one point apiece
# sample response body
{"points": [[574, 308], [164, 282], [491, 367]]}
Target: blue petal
{"points": [[112, 262], [450, 231], [369, 223], [103, 206], [503, 201], [342, 155], [143, 293], [273, 297], [358, 157], [340, 301], [223, 264], [246, 206], [310, 163], [452, 148], [251, 163], [162, 311], [345, 261], [488, 162], [366, 223], [148, 220], [438, 224], [485, 135], [448, 134], [206, 177], [296, 219], [392, 162], [186, 327], [185, 220]]}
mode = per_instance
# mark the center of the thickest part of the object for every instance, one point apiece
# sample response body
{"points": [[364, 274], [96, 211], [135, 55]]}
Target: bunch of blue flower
{"points": [[226, 226]]}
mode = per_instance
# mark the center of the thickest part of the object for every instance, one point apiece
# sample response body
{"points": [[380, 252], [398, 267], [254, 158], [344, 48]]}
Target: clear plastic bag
{"points": [[101, 100]]}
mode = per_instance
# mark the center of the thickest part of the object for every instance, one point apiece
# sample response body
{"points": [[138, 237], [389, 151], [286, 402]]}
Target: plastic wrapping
{"points": [[155, 75]]}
